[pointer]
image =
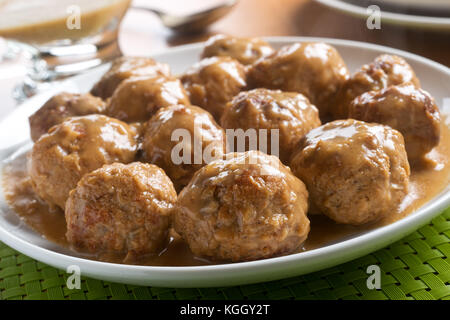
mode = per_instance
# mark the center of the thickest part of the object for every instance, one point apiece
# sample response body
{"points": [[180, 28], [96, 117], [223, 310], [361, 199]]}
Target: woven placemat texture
{"points": [[414, 268]]}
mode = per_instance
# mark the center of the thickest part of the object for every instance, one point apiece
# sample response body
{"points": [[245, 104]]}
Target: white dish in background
{"points": [[14, 133], [408, 20], [419, 4]]}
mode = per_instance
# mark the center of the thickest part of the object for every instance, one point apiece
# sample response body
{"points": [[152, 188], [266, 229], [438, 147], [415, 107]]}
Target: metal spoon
{"points": [[193, 22]]}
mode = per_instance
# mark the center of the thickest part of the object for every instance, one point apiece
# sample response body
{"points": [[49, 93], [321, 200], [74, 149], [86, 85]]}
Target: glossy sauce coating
{"points": [[410, 110], [289, 112], [356, 172], [124, 68], [425, 169], [428, 178], [137, 99], [180, 139], [213, 82], [386, 70], [313, 69], [60, 107], [74, 147], [244, 50], [248, 206]]}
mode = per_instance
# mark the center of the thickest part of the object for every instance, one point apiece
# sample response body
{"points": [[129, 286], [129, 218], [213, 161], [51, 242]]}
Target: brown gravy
{"points": [[31, 22], [428, 179]]}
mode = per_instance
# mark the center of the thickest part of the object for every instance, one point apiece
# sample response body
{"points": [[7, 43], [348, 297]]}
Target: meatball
{"points": [[355, 172], [124, 68], [137, 128], [244, 50], [384, 71], [137, 99], [289, 112], [121, 208], [60, 107], [181, 139], [213, 82], [411, 111], [75, 147], [246, 207], [313, 69]]}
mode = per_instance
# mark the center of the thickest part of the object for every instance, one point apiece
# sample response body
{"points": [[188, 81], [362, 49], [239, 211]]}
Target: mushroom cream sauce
{"points": [[427, 180]]}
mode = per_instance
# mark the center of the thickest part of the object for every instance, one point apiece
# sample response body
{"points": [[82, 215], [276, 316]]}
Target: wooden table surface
{"points": [[142, 33]]}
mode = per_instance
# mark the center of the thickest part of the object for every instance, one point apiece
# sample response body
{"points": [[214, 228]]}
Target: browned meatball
{"points": [[289, 112], [411, 111], [214, 81], [384, 71], [75, 147], [355, 172], [313, 69], [137, 99], [181, 139], [60, 107], [137, 128], [244, 50], [121, 208], [246, 207], [124, 68]]}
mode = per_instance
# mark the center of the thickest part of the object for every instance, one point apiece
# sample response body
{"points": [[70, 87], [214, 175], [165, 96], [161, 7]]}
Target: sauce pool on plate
{"points": [[428, 179]]}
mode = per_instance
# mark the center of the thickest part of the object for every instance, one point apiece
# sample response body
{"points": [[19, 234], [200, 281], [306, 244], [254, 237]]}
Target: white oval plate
{"points": [[409, 20], [14, 135]]}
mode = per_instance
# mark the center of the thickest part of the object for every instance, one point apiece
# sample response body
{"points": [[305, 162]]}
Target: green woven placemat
{"points": [[416, 267]]}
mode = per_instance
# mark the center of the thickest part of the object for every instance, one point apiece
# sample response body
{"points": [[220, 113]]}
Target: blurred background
{"points": [[281, 18], [406, 26]]}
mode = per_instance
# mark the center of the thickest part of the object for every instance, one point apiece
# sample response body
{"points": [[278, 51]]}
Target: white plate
{"points": [[409, 20], [419, 4], [14, 130]]}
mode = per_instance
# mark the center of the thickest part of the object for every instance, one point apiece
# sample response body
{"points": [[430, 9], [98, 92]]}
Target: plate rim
{"points": [[440, 23], [420, 4], [199, 274]]}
